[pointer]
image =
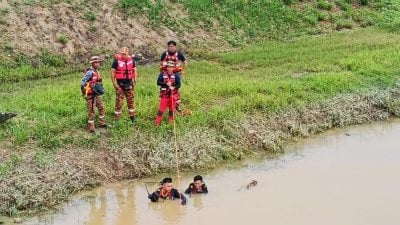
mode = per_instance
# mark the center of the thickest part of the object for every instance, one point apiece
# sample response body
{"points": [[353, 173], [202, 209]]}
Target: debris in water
{"points": [[347, 134], [253, 183]]}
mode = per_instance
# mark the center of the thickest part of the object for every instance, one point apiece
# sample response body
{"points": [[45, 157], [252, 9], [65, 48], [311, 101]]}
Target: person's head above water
{"points": [[198, 181], [166, 180], [167, 184], [198, 177]]}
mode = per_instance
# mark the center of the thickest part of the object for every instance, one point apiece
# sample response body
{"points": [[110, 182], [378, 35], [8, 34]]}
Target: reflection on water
{"points": [[112, 206], [168, 211], [344, 177]]}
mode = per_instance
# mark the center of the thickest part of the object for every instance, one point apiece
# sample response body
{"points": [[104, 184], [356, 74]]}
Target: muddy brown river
{"points": [[344, 177]]}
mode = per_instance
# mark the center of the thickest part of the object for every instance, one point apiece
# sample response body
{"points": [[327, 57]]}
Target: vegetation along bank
{"points": [[245, 101]]}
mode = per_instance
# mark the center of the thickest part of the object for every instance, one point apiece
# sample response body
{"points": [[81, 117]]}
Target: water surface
{"points": [[345, 176]]}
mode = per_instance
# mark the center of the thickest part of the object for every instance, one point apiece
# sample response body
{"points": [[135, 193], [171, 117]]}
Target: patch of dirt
{"points": [[31, 28]]}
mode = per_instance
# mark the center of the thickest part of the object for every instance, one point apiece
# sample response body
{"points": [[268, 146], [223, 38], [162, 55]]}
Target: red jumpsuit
{"points": [[168, 94]]}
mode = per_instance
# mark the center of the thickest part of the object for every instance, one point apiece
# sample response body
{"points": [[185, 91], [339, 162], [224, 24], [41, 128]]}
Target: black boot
{"points": [[106, 126], [133, 119]]}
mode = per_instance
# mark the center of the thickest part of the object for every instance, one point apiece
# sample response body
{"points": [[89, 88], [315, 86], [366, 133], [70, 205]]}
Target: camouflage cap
{"points": [[95, 59]]}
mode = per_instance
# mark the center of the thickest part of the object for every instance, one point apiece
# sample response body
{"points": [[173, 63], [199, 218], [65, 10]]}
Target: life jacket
{"points": [[124, 68], [167, 195], [194, 190], [173, 58], [165, 91], [93, 80]]}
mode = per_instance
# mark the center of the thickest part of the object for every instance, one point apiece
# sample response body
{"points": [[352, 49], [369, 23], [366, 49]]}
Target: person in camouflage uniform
{"points": [[90, 85], [123, 76]]}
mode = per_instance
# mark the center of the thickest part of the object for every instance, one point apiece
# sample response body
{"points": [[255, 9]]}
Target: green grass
{"points": [[325, 5], [90, 16], [14, 160], [18, 67], [63, 39], [240, 22], [266, 77]]}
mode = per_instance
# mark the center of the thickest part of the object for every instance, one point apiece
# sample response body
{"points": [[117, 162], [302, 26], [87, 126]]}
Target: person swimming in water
{"points": [[197, 187], [167, 192]]}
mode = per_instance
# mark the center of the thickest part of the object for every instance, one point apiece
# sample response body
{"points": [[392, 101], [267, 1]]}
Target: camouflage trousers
{"points": [[93, 101], [119, 101]]}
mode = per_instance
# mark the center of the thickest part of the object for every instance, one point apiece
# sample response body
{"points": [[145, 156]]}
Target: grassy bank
{"points": [[15, 67], [194, 24], [252, 98], [239, 22]]}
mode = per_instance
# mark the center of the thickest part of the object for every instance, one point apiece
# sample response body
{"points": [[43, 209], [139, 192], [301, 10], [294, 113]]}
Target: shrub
{"points": [[322, 4], [50, 59], [92, 29], [4, 11], [8, 48], [90, 16], [63, 39], [312, 19], [138, 4], [342, 24], [321, 16], [343, 5]]}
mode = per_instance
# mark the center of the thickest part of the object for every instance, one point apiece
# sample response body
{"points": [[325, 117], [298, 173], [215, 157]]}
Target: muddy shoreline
{"points": [[29, 188]]}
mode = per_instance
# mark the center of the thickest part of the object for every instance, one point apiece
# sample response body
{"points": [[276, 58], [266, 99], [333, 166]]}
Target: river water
{"points": [[344, 177]]}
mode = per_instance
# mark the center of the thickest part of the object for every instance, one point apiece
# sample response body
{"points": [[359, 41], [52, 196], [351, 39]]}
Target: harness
{"points": [[91, 82], [165, 91], [173, 58]]}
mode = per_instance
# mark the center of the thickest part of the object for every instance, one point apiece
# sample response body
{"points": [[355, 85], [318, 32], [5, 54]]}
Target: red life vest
{"points": [[173, 58], [194, 190], [124, 68], [163, 195], [165, 91], [89, 84]]}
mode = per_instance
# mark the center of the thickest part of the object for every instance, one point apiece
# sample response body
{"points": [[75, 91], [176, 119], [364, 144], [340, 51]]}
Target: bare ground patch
{"points": [[30, 28]]}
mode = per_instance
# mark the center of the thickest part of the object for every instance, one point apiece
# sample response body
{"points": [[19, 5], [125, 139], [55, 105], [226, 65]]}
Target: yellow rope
{"points": [[176, 146]]}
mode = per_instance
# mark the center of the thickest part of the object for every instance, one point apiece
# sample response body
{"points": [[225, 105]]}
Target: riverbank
{"points": [[344, 176], [244, 102]]}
